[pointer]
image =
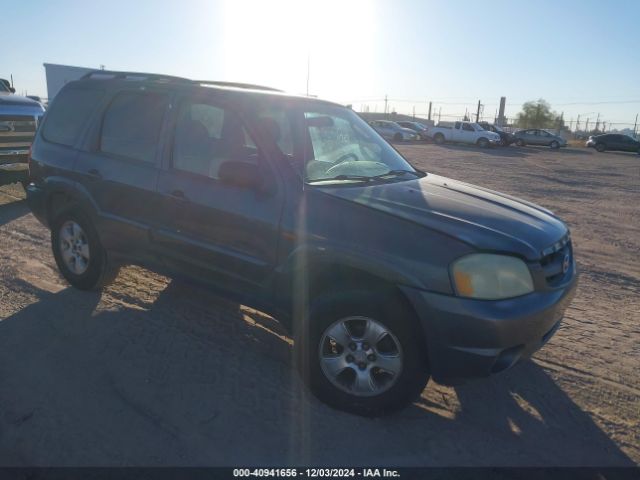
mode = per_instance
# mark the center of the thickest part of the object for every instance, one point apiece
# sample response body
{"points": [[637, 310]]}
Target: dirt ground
{"points": [[160, 372]]}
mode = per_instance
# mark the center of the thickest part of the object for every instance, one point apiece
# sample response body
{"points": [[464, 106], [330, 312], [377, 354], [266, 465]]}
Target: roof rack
{"points": [[112, 74], [236, 85]]}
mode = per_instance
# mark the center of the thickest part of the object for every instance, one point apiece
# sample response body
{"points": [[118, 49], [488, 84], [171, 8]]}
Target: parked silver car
{"points": [[393, 131], [536, 136]]}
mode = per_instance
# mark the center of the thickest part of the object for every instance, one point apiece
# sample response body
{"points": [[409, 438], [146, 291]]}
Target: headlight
{"points": [[491, 277]]}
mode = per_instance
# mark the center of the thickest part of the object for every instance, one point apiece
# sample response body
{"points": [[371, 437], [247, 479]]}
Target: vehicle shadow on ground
{"points": [[13, 210], [193, 379]]}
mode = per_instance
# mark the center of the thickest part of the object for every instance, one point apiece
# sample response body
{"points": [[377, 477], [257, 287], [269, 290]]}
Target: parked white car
{"points": [[464, 132], [393, 131]]}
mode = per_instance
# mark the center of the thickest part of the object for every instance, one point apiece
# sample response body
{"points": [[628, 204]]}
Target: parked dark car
{"points": [[536, 136], [506, 138], [19, 117], [420, 128], [614, 142], [384, 274]]}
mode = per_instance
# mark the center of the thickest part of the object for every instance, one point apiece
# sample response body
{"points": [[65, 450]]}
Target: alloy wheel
{"points": [[74, 247], [360, 356]]}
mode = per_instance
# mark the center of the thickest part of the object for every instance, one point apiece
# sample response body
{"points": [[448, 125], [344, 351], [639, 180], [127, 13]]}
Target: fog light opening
{"points": [[507, 358]]}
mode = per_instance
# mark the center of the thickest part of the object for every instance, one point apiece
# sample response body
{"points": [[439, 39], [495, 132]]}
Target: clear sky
{"points": [[581, 56]]}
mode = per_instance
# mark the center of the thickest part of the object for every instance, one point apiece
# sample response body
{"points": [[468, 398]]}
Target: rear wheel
{"points": [[600, 147], [520, 142], [438, 138], [397, 137], [78, 253], [362, 353]]}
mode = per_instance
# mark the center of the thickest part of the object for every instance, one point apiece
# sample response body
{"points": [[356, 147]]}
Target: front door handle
{"points": [[179, 195]]}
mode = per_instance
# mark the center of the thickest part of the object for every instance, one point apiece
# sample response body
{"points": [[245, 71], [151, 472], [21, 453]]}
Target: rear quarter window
{"points": [[69, 114]]}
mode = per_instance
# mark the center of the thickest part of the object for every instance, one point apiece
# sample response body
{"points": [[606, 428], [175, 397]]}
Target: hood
{"points": [[487, 220], [12, 100]]}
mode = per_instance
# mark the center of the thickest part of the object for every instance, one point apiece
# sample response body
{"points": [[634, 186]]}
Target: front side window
{"points": [[131, 125], [208, 135], [467, 127]]}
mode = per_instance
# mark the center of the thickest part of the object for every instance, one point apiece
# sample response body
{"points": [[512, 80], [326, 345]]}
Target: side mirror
{"points": [[13, 90], [240, 174]]}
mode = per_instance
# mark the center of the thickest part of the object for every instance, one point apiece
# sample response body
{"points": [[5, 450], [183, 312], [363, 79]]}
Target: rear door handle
{"points": [[94, 173]]}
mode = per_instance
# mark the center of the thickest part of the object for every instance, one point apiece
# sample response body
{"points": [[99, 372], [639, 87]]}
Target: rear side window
{"points": [[69, 114], [132, 123]]}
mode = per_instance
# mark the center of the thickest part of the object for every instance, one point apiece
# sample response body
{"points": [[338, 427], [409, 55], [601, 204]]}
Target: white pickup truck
{"points": [[463, 132]]}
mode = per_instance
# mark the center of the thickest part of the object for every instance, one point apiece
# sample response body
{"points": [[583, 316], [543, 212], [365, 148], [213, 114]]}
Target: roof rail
{"points": [[112, 74], [236, 85]]}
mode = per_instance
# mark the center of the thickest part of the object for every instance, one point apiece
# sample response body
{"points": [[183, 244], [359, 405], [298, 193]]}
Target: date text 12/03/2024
{"points": [[316, 472]]}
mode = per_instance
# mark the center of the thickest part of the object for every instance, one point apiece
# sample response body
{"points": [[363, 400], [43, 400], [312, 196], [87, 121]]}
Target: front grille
{"points": [[16, 134], [554, 258]]}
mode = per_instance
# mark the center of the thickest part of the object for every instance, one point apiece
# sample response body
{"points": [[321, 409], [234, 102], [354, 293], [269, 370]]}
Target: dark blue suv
{"points": [[385, 275]]}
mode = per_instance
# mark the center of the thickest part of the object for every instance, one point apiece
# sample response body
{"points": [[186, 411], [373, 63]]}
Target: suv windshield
{"points": [[332, 144]]}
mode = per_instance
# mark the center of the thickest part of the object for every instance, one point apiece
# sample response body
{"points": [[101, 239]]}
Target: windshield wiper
{"points": [[364, 178], [395, 173]]}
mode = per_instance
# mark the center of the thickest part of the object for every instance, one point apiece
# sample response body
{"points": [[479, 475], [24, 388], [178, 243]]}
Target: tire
{"points": [[89, 269], [520, 142], [600, 147], [25, 184], [383, 393], [483, 142], [438, 138], [555, 145], [504, 143], [397, 137]]}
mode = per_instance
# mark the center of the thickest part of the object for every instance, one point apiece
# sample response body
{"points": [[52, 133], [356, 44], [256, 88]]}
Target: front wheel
{"points": [[397, 137], [362, 353], [555, 145], [483, 142], [600, 147], [78, 253], [520, 142]]}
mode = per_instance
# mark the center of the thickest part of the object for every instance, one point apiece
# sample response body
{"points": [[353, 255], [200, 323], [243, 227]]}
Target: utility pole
{"points": [[308, 71], [578, 124], [586, 126], [478, 112], [429, 116], [385, 105], [598, 122], [635, 125], [439, 113]]}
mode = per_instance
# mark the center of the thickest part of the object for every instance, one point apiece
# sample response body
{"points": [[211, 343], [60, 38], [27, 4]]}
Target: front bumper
{"points": [[469, 338], [495, 141]]}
